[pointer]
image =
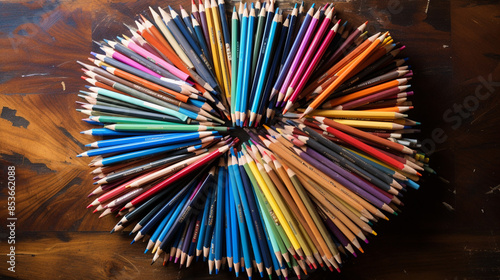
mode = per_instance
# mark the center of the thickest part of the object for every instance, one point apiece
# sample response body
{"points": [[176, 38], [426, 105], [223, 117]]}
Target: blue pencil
{"points": [[175, 244], [241, 64], [289, 35], [171, 138], [193, 205], [225, 29], [263, 71], [92, 122], [209, 225], [201, 39], [200, 66], [211, 254], [256, 218], [227, 226], [261, 51], [109, 132], [241, 223], [221, 181], [293, 51], [248, 217], [201, 236], [247, 66], [194, 240], [189, 38], [187, 22], [143, 153], [140, 146], [157, 232], [169, 223], [234, 228], [134, 139], [164, 211], [274, 68], [190, 208]]}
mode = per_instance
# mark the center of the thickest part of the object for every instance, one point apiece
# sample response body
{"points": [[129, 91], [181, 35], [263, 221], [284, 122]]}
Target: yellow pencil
{"points": [[353, 114], [213, 43], [226, 82], [170, 38], [371, 124], [274, 205]]}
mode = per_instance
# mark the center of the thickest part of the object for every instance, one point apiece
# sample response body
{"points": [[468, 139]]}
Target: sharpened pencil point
{"points": [[133, 241]]}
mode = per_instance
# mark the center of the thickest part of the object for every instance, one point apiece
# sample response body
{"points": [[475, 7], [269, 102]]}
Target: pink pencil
{"points": [[371, 98], [157, 60], [298, 56], [326, 42], [309, 54]]}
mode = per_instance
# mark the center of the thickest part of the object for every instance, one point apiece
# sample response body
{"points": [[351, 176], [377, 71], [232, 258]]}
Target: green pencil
{"points": [[159, 127], [235, 50], [258, 38], [124, 120]]}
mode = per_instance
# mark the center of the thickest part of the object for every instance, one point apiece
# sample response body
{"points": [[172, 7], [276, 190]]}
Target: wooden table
{"points": [[449, 229]]}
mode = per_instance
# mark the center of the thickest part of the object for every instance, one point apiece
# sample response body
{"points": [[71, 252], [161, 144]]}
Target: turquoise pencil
{"points": [[241, 62], [263, 71], [235, 24], [247, 66]]}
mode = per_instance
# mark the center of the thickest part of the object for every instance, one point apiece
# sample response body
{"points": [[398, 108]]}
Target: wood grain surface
{"points": [[449, 229]]}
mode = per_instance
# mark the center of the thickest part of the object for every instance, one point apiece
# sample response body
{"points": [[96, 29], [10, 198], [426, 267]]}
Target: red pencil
{"points": [[370, 150], [187, 170]]}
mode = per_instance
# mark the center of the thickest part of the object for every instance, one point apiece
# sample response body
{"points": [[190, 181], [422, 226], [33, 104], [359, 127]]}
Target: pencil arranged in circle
{"points": [[258, 141]]}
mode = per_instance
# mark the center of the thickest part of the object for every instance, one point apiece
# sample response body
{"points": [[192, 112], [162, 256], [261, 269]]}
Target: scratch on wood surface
{"points": [[131, 263], [448, 206], [34, 74], [483, 113], [492, 190], [63, 85]]}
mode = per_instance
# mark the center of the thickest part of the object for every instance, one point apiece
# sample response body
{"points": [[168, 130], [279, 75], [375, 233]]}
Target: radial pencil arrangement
{"points": [[257, 141]]}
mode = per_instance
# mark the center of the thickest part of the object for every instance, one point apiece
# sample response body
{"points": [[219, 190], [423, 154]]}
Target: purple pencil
{"points": [[118, 56], [204, 25], [194, 11], [297, 75], [346, 174], [376, 198], [298, 56], [186, 244], [337, 233]]}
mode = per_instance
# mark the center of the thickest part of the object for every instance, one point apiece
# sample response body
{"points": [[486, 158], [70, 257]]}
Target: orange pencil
{"points": [[141, 81], [365, 92], [318, 100]]}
